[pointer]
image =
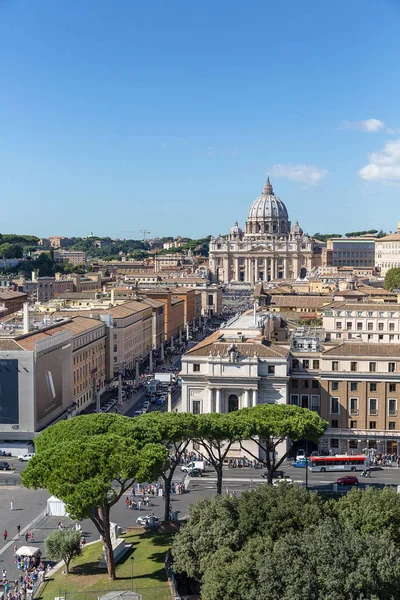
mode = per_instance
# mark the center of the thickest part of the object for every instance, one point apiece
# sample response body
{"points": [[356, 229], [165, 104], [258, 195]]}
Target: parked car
{"points": [[148, 521], [137, 413], [301, 464], [4, 466], [347, 480], [26, 457], [146, 404]]}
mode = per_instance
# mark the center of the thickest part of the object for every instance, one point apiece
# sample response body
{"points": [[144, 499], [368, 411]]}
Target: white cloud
{"points": [[383, 166], [305, 174], [369, 126]]}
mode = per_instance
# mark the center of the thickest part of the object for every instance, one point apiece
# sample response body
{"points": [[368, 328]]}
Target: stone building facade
{"points": [[268, 249]]}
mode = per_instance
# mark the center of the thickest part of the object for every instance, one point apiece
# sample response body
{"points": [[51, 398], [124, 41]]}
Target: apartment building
{"points": [[74, 257], [174, 311], [387, 252], [59, 241], [12, 301], [358, 252], [366, 322]]}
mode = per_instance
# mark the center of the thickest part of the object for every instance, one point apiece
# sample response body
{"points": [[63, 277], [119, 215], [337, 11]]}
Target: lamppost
{"points": [[132, 572]]}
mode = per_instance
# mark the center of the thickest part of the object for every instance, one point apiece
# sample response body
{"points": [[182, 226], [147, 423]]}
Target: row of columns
{"points": [[270, 268], [250, 398]]}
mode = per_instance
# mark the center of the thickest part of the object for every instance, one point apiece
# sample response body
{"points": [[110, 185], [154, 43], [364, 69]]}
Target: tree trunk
{"points": [[167, 495], [67, 566], [218, 469], [104, 518]]}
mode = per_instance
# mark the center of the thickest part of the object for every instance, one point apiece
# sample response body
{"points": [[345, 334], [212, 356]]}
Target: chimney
{"points": [[35, 276], [26, 317]]}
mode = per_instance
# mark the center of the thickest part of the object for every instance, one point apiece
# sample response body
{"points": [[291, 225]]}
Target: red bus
{"points": [[320, 464]]}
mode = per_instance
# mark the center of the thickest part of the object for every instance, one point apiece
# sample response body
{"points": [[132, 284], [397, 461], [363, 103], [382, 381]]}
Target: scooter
{"points": [[366, 473]]}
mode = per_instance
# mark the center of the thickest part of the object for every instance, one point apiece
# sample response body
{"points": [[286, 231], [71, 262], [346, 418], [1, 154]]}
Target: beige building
{"points": [[74, 257], [358, 252], [387, 252], [362, 321], [269, 248]]}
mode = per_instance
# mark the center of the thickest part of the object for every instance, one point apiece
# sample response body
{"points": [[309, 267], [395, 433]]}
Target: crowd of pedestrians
{"points": [[32, 573]]}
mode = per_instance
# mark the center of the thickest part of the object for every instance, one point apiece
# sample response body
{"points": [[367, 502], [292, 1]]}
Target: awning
{"points": [[28, 551]]}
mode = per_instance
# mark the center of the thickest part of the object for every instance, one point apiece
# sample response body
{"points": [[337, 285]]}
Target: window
{"points": [[353, 424], [372, 367], [315, 384], [391, 338], [338, 325], [349, 326], [335, 365], [196, 407], [353, 445], [392, 367], [294, 399], [295, 363], [295, 383], [115, 348], [334, 385], [210, 299], [196, 368], [372, 387], [233, 403], [334, 405], [315, 403], [392, 404], [392, 425], [391, 326], [334, 423], [354, 406], [305, 383], [306, 364], [380, 326], [304, 401], [359, 326], [271, 369], [315, 364], [334, 443], [380, 337], [370, 326], [353, 366], [372, 424], [353, 386], [392, 387], [370, 337], [373, 406]]}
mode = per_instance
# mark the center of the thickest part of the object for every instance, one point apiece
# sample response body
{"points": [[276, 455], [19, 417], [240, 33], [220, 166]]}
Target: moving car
{"points": [[287, 480], [302, 463], [25, 457], [4, 466], [137, 413], [276, 475], [148, 521], [347, 480], [300, 454], [196, 464], [194, 472]]}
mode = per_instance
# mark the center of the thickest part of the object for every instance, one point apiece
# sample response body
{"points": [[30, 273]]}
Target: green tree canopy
{"points": [[63, 544], [271, 425], [392, 279], [89, 462], [174, 431]]}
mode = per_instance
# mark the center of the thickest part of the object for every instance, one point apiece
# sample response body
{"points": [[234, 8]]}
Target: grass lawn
{"points": [[86, 581]]}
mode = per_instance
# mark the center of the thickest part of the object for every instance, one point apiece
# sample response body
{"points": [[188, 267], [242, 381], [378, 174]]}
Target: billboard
{"points": [[9, 407], [49, 382]]}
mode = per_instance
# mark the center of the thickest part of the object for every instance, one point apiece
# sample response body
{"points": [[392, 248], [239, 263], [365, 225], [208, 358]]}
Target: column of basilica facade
{"points": [[268, 249]]}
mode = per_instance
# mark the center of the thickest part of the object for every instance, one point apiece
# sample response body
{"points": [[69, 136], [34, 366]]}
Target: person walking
{"points": [[19, 529], [32, 538], [140, 505], [27, 537], [12, 505], [5, 534]]}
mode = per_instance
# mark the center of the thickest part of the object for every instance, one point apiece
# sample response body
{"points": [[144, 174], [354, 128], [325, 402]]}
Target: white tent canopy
{"points": [[28, 551], [55, 507]]}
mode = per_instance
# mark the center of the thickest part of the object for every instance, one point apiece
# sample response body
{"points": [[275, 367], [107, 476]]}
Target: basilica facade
{"points": [[268, 249]]}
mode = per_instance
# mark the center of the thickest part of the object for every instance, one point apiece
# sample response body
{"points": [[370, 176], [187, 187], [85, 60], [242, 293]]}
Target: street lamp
{"points": [[132, 572]]}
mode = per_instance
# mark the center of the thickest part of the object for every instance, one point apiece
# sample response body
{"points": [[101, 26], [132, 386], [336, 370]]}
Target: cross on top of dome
{"points": [[268, 188]]}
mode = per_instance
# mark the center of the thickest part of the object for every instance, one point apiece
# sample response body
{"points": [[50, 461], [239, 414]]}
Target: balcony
{"points": [[373, 412], [392, 413], [354, 411]]}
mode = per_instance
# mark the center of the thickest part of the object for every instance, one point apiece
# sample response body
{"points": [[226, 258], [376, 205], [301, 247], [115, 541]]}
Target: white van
{"points": [[196, 464], [300, 454]]}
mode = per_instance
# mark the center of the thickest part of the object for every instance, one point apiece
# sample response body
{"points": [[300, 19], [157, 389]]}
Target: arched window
{"points": [[233, 403]]}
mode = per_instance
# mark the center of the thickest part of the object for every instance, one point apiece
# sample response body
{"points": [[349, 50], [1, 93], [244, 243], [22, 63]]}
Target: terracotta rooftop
{"points": [[9, 345], [10, 294], [76, 326], [360, 306], [215, 346], [361, 349], [300, 301]]}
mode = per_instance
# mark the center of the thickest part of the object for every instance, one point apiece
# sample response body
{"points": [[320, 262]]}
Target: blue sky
{"points": [[168, 116]]}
